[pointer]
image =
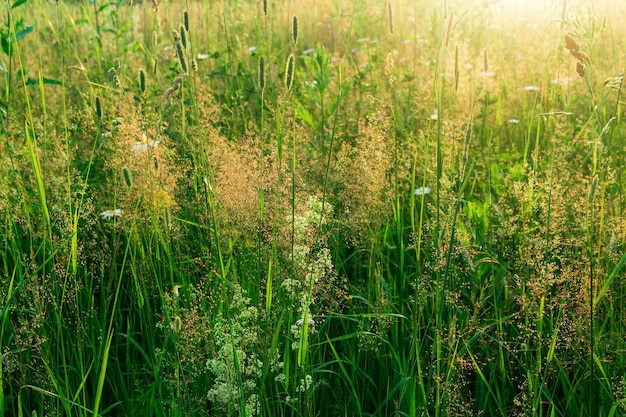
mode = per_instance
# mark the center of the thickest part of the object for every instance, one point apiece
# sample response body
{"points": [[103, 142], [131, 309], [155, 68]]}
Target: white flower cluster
{"points": [[109, 214], [236, 360]]}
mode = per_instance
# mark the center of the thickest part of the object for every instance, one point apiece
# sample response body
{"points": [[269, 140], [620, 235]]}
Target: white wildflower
{"points": [[144, 144], [109, 214], [300, 322], [422, 191]]}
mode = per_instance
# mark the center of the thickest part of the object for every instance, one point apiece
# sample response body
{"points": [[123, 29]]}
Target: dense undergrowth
{"points": [[312, 208]]}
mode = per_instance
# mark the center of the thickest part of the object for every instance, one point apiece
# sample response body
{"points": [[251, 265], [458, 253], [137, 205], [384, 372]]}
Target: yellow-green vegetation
{"points": [[312, 208]]}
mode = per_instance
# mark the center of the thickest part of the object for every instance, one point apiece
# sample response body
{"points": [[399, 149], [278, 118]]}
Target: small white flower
{"points": [[203, 56], [514, 121], [422, 191], [434, 115], [109, 214], [564, 81], [308, 51], [300, 322], [361, 40], [532, 88], [144, 144], [252, 49]]}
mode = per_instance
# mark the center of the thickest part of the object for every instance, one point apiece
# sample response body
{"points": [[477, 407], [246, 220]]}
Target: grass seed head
{"points": [[128, 177], [580, 69], [183, 36], [265, 7], [571, 43], [98, 107], [289, 72], [186, 20], [261, 73], [294, 30], [580, 56], [142, 81], [181, 56]]}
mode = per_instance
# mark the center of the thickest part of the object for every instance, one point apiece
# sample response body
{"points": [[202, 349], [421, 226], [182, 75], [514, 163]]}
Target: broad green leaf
{"points": [[6, 46], [18, 3], [610, 279], [35, 81], [22, 33]]}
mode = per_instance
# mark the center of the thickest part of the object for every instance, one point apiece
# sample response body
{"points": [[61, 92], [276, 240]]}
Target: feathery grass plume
{"points": [[390, 17], [111, 73], [155, 6], [265, 7], [289, 72], [294, 30], [176, 36], [116, 64], [156, 163], [456, 68], [155, 66], [186, 20], [183, 36], [116, 80], [178, 81], [194, 65], [128, 177], [389, 68], [571, 43], [485, 60], [168, 93], [98, 107], [449, 29], [580, 69], [142, 81], [582, 57], [261, 73]]}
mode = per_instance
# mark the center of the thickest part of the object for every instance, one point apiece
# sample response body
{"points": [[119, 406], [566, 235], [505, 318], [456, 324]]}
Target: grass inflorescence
{"points": [[410, 208]]}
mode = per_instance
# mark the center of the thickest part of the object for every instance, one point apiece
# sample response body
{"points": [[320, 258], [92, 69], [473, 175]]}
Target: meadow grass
{"points": [[312, 208]]}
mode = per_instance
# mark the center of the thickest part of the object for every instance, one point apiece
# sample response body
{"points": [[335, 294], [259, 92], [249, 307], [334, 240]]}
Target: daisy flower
{"points": [[422, 191], [109, 214]]}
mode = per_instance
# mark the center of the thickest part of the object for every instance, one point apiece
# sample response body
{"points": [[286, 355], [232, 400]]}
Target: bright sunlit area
{"points": [[312, 208]]}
